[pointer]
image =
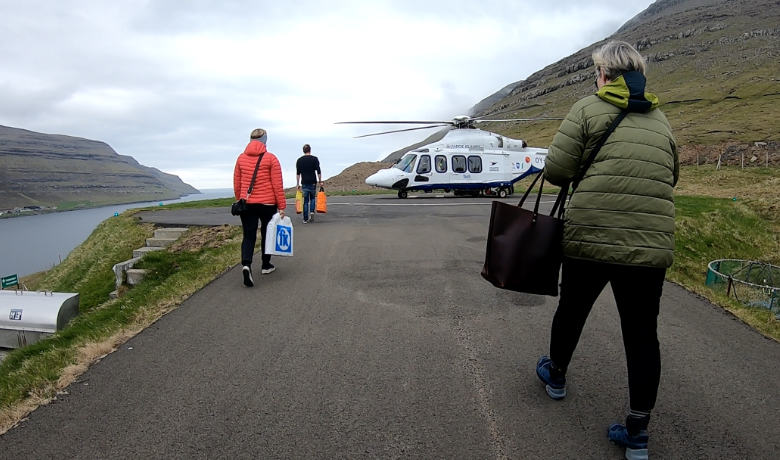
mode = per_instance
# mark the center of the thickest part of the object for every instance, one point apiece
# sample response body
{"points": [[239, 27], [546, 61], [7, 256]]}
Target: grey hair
{"points": [[617, 57]]}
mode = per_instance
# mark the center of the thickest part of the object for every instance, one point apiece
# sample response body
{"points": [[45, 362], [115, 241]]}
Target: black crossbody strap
{"points": [[560, 200], [254, 176], [589, 161]]}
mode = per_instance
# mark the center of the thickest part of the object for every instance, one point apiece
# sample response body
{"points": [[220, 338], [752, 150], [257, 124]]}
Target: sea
{"points": [[30, 244]]}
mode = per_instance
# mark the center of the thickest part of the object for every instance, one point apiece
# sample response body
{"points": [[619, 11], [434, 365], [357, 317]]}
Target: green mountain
{"points": [[67, 172], [714, 64]]}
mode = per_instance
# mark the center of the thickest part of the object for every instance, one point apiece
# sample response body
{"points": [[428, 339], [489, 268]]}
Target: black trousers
{"points": [[249, 220], [637, 293]]}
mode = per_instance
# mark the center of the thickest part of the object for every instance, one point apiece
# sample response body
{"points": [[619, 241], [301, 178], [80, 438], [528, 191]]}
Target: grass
{"points": [[32, 375], [711, 225], [723, 214]]}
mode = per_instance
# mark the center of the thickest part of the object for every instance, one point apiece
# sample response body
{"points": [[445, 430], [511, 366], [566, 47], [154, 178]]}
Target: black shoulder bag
{"points": [[240, 206], [524, 249]]}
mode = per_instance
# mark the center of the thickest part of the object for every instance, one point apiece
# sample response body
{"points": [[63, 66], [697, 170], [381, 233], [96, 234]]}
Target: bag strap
{"points": [[528, 190], [560, 200], [254, 175], [589, 161]]}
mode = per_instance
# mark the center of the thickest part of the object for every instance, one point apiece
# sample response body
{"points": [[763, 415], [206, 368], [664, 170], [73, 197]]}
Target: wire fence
{"points": [[755, 284]]}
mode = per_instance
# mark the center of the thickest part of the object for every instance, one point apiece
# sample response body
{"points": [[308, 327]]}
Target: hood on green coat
{"points": [[628, 93]]}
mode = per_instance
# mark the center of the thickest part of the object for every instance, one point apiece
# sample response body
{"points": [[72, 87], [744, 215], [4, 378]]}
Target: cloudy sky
{"points": [[179, 84]]}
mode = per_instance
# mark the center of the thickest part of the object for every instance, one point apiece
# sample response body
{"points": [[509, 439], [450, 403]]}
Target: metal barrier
{"points": [[28, 316], [755, 284]]}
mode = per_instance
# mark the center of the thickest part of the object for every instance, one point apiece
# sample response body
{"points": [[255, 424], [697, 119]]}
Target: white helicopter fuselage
{"points": [[466, 161]]}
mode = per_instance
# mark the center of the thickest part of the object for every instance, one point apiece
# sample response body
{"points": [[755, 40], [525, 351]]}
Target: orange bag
{"points": [[298, 202], [322, 201]]}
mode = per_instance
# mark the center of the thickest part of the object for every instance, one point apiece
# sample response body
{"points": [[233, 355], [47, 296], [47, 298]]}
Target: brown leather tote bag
{"points": [[524, 251]]}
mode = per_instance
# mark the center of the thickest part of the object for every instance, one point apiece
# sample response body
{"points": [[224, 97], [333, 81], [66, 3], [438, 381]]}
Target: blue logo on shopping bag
{"points": [[283, 238]]}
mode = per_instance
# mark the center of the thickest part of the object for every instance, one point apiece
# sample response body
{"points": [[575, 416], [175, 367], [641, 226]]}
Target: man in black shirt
{"points": [[308, 175]]}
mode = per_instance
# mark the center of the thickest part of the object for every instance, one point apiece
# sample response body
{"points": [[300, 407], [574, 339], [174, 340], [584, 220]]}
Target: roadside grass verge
{"points": [[730, 213], [720, 228], [34, 374]]}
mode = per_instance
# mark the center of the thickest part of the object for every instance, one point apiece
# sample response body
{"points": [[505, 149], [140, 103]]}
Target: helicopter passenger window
{"points": [[406, 164], [458, 164], [475, 164], [441, 164], [424, 166]]}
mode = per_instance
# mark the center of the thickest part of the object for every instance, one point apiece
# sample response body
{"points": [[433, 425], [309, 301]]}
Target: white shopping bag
{"points": [[279, 236]]}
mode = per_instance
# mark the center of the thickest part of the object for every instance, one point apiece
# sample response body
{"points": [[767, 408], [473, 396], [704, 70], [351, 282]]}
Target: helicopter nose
{"points": [[373, 179], [380, 178]]}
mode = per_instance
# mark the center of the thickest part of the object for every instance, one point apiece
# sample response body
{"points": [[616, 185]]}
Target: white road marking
{"points": [[427, 204]]}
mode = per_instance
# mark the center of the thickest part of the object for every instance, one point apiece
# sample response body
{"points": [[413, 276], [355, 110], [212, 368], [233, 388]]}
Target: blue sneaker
{"points": [[636, 446], [555, 386]]}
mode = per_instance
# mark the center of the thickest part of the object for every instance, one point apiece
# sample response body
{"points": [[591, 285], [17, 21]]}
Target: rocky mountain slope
{"points": [[353, 179], [714, 64], [54, 170]]}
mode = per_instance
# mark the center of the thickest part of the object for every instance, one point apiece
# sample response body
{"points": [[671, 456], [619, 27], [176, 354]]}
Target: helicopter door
{"points": [[423, 169]]}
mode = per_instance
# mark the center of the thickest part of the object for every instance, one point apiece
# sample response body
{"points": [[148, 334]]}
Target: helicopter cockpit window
{"points": [[441, 164], [475, 164], [424, 166], [407, 163], [458, 164]]}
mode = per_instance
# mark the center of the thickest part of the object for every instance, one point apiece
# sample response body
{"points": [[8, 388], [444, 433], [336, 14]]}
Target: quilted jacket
{"points": [[623, 210], [268, 187]]}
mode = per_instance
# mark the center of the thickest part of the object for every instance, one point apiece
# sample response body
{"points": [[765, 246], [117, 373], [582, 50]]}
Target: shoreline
{"points": [[41, 211]]}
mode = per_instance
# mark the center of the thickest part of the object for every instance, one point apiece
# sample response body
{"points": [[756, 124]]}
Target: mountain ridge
{"points": [[714, 64], [57, 170]]}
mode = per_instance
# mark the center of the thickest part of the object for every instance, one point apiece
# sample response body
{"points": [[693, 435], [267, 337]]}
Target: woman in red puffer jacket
{"points": [[265, 199]]}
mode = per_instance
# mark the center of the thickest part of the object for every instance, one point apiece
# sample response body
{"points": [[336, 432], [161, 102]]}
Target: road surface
{"points": [[379, 339]]}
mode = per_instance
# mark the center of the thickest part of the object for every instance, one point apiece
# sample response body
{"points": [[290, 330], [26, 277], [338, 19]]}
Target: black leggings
{"points": [[637, 293], [263, 212]]}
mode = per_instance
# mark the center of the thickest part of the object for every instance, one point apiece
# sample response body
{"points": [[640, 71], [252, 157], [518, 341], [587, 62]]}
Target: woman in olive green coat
{"points": [[618, 228]]}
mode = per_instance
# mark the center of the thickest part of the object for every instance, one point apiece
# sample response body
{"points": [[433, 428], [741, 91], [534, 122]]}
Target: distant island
{"points": [[45, 172]]}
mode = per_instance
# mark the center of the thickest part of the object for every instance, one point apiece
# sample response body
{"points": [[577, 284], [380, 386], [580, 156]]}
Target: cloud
{"points": [[179, 86]]}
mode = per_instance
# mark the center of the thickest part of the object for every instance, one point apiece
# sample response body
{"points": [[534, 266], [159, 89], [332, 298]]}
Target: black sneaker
{"points": [[248, 281], [267, 269]]}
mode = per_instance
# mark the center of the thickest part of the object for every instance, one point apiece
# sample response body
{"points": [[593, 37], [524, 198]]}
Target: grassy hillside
{"points": [[714, 64]]}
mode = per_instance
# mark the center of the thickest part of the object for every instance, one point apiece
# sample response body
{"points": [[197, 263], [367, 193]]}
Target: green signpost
{"points": [[10, 280]]}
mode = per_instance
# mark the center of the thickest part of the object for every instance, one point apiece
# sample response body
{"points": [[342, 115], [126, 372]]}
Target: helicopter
{"points": [[467, 161]]}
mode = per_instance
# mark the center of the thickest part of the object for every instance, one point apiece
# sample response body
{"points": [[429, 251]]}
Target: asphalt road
{"points": [[380, 339]]}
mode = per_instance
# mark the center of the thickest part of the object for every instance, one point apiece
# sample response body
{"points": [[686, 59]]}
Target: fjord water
{"points": [[29, 244]]}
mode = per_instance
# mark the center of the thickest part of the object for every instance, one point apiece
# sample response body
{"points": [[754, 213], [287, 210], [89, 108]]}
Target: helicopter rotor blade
{"points": [[500, 112], [399, 122], [519, 119], [401, 130]]}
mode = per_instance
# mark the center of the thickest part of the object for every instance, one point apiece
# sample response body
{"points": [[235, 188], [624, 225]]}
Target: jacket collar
{"points": [[628, 93]]}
